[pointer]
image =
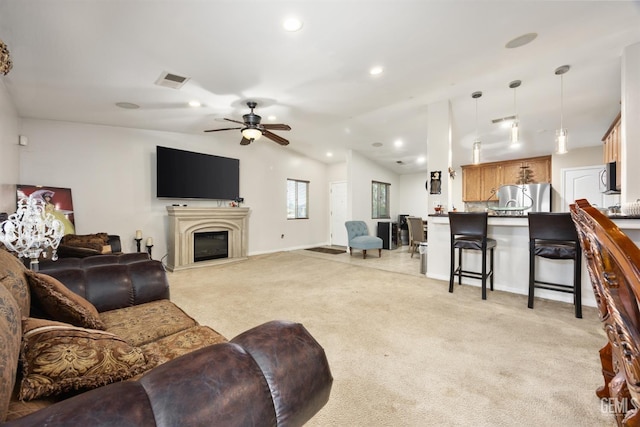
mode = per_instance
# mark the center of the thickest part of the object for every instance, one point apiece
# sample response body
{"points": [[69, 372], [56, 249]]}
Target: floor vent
{"points": [[173, 81]]}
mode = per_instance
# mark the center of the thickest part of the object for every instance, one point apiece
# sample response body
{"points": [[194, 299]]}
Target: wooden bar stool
{"points": [[469, 231], [554, 236]]}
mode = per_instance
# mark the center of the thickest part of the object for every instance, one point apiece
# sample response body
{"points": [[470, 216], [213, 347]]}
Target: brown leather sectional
{"points": [[274, 374]]}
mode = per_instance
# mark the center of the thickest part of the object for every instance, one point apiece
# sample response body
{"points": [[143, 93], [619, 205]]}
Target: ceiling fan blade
{"points": [[216, 130], [245, 141], [277, 138], [234, 121], [276, 126]]}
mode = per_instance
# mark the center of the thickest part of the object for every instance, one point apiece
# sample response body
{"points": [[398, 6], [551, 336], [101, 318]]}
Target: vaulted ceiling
{"points": [[74, 60]]}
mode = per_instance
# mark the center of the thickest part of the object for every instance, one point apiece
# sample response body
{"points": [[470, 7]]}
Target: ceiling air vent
{"points": [[503, 119], [173, 81]]}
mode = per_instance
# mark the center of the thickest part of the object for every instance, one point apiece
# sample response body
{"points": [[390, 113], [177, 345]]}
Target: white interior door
{"points": [[583, 183], [338, 213]]}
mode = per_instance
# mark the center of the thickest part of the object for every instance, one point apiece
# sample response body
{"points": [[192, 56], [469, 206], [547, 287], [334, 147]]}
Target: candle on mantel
{"points": [[149, 241], [138, 234]]}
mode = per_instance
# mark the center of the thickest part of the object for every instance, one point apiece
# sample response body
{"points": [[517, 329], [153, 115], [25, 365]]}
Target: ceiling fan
{"points": [[252, 129]]}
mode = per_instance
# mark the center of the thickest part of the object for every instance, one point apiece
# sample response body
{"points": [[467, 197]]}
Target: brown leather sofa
{"points": [[275, 374]]}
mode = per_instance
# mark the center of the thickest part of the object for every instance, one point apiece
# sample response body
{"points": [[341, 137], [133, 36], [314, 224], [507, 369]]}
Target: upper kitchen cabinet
{"points": [[471, 183], [612, 147], [478, 181]]}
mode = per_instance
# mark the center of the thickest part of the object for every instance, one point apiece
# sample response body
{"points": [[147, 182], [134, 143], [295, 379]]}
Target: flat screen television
{"points": [[187, 175]]}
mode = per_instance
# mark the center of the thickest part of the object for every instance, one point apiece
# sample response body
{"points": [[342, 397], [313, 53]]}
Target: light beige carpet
{"points": [[405, 352]]}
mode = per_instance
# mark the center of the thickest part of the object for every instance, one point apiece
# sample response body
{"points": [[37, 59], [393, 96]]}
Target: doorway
{"points": [[583, 183], [338, 213]]}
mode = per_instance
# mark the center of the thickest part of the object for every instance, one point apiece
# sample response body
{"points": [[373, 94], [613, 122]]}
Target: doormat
{"points": [[327, 250]]}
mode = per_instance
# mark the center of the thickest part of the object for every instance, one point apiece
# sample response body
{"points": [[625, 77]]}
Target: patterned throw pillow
{"points": [[58, 357], [61, 303]]}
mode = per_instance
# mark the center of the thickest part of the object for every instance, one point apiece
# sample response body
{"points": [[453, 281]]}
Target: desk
{"points": [[511, 263]]}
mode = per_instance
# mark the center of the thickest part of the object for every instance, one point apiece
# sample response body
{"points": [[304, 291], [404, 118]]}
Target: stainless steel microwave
{"points": [[609, 178]]}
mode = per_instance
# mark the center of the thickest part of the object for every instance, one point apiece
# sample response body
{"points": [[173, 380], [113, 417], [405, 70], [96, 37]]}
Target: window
{"points": [[297, 199], [380, 199]]}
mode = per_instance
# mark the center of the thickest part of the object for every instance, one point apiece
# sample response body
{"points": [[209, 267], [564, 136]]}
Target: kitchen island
{"points": [[511, 262]]}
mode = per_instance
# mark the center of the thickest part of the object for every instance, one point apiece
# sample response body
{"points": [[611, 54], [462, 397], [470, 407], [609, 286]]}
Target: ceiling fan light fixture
{"points": [[251, 133]]}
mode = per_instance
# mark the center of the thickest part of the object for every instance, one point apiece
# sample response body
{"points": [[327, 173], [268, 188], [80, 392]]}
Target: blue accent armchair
{"points": [[358, 235]]}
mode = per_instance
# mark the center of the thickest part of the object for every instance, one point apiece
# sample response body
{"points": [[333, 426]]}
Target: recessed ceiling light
{"points": [[420, 160], [272, 118], [521, 40], [195, 103], [127, 105], [398, 143], [329, 154], [292, 24], [374, 71]]}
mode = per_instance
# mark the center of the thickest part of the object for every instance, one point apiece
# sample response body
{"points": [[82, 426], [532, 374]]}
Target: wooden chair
{"points": [[613, 263], [416, 233]]}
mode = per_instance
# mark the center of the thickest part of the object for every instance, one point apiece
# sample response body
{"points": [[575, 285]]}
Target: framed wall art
{"points": [[57, 201]]}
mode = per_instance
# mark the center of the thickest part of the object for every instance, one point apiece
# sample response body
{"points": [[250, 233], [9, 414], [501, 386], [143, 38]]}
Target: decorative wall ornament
{"points": [[436, 182], [5, 59]]}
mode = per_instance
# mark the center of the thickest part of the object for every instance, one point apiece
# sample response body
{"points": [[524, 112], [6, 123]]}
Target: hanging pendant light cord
{"points": [[561, 99]]}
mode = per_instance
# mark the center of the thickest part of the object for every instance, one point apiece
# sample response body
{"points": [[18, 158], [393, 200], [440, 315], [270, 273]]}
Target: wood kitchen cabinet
{"points": [[471, 183], [612, 146], [490, 182], [478, 181], [510, 172], [540, 168]]}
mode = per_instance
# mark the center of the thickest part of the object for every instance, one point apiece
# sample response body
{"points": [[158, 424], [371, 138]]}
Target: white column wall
{"points": [[630, 178], [9, 151], [439, 150]]}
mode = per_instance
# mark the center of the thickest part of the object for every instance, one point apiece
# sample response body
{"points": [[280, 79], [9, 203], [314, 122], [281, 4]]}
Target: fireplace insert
{"points": [[210, 245]]}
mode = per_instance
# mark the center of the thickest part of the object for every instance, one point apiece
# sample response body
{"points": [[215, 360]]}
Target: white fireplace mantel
{"points": [[184, 221]]}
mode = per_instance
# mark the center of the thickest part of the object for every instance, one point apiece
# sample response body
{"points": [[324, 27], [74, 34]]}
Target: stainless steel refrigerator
{"points": [[527, 197]]}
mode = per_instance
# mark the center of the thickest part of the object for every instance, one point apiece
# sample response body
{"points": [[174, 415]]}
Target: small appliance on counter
{"points": [[519, 199]]}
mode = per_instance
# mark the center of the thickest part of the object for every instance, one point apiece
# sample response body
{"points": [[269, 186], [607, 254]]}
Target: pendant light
{"points": [[561, 134], [515, 130], [476, 142]]}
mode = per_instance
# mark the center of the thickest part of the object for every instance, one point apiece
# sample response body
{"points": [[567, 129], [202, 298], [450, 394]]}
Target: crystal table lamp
{"points": [[31, 231]]}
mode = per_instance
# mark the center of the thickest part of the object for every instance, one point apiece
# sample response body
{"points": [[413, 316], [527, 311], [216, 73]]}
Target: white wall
{"points": [[413, 195], [111, 172], [9, 151], [337, 172], [630, 127], [361, 171], [438, 143]]}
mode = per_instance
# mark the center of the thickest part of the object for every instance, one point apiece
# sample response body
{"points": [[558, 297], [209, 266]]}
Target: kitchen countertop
{"points": [[524, 216], [512, 256]]}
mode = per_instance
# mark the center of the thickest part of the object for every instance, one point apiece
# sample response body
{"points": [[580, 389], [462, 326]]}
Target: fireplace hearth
{"points": [[206, 226]]}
